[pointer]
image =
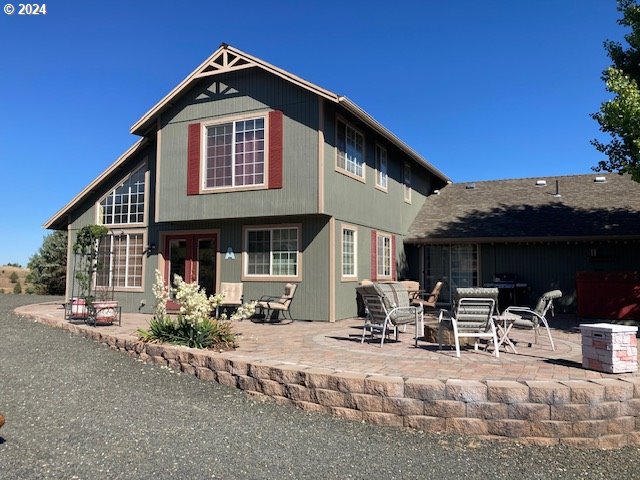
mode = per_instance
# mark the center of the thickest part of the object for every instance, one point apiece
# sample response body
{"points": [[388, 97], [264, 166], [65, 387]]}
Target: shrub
{"points": [[193, 327], [13, 277], [206, 333], [17, 288]]}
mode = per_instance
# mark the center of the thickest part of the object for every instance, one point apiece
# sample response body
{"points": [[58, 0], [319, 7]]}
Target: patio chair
{"points": [[232, 296], [472, 318], [269, 304], [388, 309], [429, 301], [528, 318]]}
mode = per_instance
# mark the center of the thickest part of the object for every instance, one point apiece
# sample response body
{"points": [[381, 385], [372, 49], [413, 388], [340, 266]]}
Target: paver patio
{"points": [[337, 346]]}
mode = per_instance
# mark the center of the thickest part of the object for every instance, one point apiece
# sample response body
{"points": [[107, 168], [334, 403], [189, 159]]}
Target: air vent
{"points": [[470, 186], [541, 183], [600, 180]]}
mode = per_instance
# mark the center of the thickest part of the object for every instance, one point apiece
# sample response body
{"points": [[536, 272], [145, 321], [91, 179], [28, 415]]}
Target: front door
{"points": [[193, 257]]}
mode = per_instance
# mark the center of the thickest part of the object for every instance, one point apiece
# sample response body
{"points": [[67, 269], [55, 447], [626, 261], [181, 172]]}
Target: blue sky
{"points": [[483, 89]]}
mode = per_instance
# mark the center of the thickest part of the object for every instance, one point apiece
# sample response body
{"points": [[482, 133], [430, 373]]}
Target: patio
{"points": [[537, 395]]}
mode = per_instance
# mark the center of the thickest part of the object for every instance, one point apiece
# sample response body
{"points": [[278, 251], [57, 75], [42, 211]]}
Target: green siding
{"points": [[250, 90], [554, 265], [85, 214], [311, 298], [353, 201]]}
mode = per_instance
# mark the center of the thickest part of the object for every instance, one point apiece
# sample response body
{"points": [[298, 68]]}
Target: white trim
{"points": [[406, 182], [203, 153], [345, 171], [270, 277], [354, 276], [388, 236], [94, 184], [378, 162], [211, 62], [144, 165]]}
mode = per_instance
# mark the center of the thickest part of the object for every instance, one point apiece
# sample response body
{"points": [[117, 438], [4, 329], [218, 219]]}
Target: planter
{"points": [[106, 312], [78, 309]]}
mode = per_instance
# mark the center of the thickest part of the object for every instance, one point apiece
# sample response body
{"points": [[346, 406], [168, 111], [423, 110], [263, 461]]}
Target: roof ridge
{"points": [[538, 177]]}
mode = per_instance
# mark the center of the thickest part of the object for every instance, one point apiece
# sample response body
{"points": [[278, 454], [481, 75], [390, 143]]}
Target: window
{"points": [[407, 183], [384, 256], [120, 261], [349, 252], [381, 168], [272, 252], [350, 145], [234, 154], [457, 263], [125, 203]]}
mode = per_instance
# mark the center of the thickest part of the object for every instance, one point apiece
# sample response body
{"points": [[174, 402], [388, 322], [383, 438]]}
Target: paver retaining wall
{"points": [[599, 413]]}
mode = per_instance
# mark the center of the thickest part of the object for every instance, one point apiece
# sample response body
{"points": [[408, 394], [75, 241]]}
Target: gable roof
{"points": [[59, 220], [227, 59], [519, 210]]}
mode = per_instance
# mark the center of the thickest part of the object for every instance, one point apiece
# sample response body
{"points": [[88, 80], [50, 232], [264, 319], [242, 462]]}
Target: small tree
{"points": [[17, 288], [13, 277], [86, 247]]}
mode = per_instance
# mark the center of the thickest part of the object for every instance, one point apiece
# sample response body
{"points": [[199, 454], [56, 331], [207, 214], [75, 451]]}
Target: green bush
{"points": [[206, 333], [13, 277], [17, 288]]}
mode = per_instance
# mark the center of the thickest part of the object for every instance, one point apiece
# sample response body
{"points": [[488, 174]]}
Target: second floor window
{"points": [[407, 183], [381, 167], [234, 154], [350, 145], [125, 203]]}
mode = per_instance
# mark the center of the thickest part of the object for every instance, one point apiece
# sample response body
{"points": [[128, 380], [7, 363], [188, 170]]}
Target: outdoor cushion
{"points": [[395, 295]]}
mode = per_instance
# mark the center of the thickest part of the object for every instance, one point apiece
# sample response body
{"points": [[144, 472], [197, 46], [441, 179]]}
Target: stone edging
{"points": [[599, 413]]}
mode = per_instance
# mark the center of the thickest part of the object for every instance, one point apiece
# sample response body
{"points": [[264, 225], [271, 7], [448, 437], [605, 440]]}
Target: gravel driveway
{"points": [[78, 410]]}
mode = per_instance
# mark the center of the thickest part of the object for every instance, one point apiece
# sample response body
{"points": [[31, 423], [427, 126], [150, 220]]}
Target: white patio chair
{"points": [[472, 318]]}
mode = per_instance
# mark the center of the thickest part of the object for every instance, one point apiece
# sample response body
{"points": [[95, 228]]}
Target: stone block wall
{"points": [[600, 413]]}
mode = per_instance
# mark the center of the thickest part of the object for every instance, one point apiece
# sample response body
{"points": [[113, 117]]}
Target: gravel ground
{"points": [[78, 410]]}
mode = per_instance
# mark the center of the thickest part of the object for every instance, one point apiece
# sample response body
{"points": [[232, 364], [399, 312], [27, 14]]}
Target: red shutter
{"points": [[394, 267], [275, 149], [374, 256], [193, 160]]}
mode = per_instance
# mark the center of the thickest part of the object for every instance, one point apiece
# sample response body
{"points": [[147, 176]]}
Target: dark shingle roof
{"points": [[503, 210]]}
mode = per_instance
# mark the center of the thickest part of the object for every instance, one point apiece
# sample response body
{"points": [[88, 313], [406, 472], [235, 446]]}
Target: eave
{"points": [[59, 220]]}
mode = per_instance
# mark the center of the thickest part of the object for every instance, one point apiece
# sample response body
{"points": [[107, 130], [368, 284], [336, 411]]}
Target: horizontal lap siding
{"points": [[250, 91]]}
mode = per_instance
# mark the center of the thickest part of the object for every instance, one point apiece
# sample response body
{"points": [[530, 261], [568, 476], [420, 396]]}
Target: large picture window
{"points": [[349, 252], [235, 154], [272, 252], [384, 256], [120, 261], [350, 145], [125, 203]]}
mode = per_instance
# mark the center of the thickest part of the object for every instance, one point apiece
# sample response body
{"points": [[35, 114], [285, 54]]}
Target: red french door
{"points": [[193, 257]]}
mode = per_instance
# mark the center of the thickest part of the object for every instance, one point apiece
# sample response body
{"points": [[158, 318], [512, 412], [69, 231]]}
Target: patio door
{"points": [[193, 257]]}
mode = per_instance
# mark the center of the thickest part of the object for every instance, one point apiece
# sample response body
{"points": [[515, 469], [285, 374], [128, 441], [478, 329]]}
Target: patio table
{"points": [[504, 324]]}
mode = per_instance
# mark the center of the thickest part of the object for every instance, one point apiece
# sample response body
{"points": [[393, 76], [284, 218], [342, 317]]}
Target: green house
{"points": [[247, 173]]}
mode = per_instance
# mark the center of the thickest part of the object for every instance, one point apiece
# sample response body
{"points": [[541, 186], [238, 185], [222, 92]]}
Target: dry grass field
{"points": [[6, 286]]}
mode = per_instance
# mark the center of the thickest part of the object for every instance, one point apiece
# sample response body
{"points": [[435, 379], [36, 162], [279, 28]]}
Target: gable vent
{"points": [[541, 183], [600, 180]]}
